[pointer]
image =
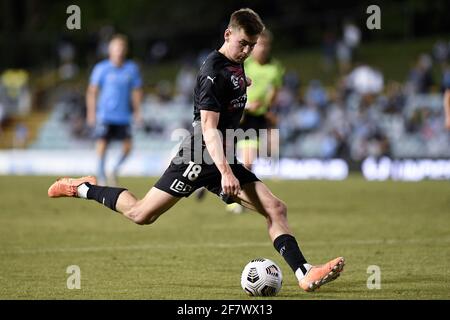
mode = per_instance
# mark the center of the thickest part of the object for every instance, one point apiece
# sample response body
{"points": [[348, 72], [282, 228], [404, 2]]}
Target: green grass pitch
{"points": [[197, 250]]}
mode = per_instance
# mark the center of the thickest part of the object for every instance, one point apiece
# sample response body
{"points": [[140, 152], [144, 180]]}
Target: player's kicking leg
{"points": [[144, 211], [257, 196]]}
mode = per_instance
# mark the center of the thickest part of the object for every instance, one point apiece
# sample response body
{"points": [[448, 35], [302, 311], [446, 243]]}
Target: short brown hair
{"points": [[121, 37], [248, 20]]}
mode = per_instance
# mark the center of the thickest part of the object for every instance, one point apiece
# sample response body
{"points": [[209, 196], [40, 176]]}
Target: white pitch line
{"points": [[157, 246]]}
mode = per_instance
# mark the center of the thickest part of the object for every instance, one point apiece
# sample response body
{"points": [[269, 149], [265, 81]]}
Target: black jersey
{"points": [[221, 87]]}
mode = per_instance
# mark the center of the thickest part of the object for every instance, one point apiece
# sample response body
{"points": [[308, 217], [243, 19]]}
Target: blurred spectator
{"points": [[291, 81], [351, 36], [73, 108], [420, 78], [328, 146], [157, 52], [20, 136], [67, 67], [328, 50], [395, 98], [164, 91], [337, 124], [365, 80], [378, 145], [287, 94], [346, 48], [185, 83], [2, 115], [445, 81], [344, 57], [284, 101], [15, 93], [308, 118], [440, 52], [316, 95]]}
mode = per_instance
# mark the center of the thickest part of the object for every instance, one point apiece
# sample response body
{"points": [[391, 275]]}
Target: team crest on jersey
{"points": [[237, 77], [236, 81]]}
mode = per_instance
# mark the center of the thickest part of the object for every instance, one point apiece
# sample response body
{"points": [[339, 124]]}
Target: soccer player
{"points": [[113, 97], [266, 74], [203, 159], [447, 108]]}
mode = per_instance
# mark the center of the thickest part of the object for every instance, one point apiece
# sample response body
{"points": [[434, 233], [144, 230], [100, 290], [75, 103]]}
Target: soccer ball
{"points": [[261, 277]]}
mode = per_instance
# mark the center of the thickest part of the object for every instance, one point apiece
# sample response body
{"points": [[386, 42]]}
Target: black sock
{"points": [[287, 246], [105, 195]]}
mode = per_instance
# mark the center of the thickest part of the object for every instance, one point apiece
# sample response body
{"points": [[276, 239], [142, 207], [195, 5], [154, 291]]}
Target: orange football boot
{"points": [[67, 187], [322, 274]]}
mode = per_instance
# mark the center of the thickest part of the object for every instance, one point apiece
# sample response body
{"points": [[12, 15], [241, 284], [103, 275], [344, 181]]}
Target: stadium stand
{"points": [[342, 128]]}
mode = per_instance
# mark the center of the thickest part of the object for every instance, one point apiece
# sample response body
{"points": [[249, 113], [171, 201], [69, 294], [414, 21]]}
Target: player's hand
{"points": [[253, 106], [272, 118], [249, 81], [230, 184]]}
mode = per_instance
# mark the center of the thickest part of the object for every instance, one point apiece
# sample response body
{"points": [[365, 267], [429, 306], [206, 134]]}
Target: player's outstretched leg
{"points": [[144, 211], [257, 196]]}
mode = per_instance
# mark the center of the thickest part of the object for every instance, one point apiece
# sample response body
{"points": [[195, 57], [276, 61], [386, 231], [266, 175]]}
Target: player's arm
{"points": [[136, 95], [213, 142], [273, 93], [271, 116], [136, 102], [447, 108], [91, 103]]}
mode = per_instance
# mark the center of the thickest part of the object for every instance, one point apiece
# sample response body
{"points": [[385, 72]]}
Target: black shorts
{"points": [[181, 180], [112, 131]]}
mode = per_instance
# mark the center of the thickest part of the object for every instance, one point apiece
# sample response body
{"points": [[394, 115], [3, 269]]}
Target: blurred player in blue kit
{"points": [[204, 159], [113, 98]]}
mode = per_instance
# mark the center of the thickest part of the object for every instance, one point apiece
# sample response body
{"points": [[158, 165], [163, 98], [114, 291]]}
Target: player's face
{"points": [[239, 44], [262, 49], [117, 51]]}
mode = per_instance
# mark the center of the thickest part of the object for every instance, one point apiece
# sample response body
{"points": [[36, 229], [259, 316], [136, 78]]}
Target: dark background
{"points": [[31, 28]]}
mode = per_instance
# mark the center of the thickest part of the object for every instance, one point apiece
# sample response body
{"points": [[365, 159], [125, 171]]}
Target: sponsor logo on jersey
{"points": [[239, 103]]}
